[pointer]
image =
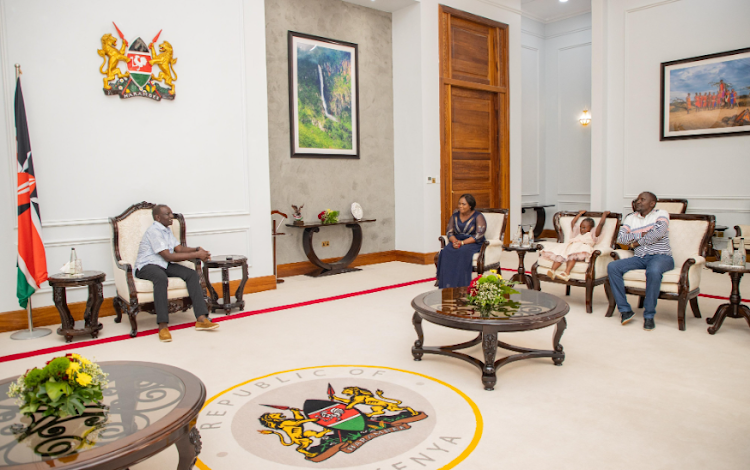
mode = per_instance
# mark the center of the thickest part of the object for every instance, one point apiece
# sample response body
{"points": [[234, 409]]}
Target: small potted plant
{"points": [[491, 293], [61, 388]]}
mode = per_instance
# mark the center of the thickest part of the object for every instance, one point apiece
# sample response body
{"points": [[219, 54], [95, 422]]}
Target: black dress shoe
{"points": [[626, 317], [648, 324]]}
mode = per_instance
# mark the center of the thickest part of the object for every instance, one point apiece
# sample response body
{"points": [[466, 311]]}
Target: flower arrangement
{"points": [[63, 386], [329, 217], [492, 293]]}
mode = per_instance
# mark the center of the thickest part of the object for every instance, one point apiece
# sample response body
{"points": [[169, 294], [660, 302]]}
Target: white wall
{"points": [[638, 37], [417, 115], [205, 154], [557, 88]]}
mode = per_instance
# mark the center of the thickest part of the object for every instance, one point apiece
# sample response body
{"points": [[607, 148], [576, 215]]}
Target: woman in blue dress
{"points": [[465, 234]]}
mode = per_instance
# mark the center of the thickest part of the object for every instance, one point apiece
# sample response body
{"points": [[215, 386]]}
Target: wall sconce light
{"points": [[585, 118]]}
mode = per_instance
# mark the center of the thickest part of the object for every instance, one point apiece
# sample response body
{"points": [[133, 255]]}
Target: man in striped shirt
{"points": [[646, 231]]}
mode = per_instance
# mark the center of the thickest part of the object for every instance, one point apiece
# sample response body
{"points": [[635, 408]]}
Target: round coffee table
{"points": [[734, 309], [148, 408], [521, 275], [225, 262], [93, 279], [448, 307]]}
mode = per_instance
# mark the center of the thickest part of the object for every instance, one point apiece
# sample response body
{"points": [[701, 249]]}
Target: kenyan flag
{"points": [[138, 66], [32, 262], [334, 415]]}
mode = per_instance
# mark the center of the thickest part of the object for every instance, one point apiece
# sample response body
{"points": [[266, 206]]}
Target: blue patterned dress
{"points": [[455, 265]]}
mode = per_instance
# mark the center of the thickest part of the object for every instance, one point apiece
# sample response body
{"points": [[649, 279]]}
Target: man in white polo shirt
{"points": [[158, 255], [646, 231]]}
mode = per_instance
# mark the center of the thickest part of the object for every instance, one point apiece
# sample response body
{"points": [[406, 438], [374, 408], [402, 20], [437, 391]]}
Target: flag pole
{"points": [[31, 333]]}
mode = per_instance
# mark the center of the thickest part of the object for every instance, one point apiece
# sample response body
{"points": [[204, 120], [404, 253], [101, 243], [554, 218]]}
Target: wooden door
{"points": [[473, 111]]}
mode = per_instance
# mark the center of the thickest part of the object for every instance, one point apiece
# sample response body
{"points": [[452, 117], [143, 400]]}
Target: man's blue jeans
{"points": [[655, 266]]}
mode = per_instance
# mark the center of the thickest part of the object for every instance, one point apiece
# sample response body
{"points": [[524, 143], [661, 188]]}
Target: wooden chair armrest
{"points": [[480, 258], [684, 279], [442, 241], [590, 271]]}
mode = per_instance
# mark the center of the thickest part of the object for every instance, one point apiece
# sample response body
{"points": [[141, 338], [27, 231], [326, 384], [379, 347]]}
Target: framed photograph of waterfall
{"points": [[323, 97]]}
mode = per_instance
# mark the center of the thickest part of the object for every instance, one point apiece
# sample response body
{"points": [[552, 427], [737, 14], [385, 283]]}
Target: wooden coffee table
{"points": [[150, 407], [448, 307]]}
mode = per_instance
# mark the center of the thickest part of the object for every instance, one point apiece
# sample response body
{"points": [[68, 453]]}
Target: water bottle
{"points": [[726, 254], [75, 263], [739, 254], [519, 236]]}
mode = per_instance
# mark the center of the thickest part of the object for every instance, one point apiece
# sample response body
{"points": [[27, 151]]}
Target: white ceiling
{"points": [[384, 5], [548, 11]]}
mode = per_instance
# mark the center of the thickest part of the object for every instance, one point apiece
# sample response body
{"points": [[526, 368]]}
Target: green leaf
{"points": [[56, 389]]}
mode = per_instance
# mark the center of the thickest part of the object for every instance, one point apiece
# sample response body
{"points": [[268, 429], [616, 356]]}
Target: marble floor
{"points": [[624, 398]]}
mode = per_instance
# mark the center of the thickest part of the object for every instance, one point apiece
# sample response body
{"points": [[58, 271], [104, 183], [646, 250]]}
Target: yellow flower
{"points": [[73, 367], [83, 379], [500, 277], [493, 271], [80, 358]]}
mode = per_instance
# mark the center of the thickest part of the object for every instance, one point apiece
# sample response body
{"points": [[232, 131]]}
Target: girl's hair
{"points": [[589, 220], [469, 200]]}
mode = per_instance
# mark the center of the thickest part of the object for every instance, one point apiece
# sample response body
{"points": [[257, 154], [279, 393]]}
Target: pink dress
{"points": [[579, 248]]}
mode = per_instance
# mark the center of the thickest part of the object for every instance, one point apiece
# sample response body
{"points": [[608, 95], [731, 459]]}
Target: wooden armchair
{"points": [[588, 275], [689, 235], [133, 294], [492, 248]]}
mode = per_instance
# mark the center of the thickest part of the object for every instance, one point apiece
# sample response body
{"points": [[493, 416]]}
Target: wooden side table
{"points": [[225, 262], [734, 309], [521, 275], [92, 279]]}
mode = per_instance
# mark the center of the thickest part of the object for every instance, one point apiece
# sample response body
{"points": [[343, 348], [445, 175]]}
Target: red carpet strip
{"points": [[84, 344]]}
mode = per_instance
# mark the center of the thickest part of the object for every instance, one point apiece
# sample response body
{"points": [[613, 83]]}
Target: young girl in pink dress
{"points": [[578, 248]]}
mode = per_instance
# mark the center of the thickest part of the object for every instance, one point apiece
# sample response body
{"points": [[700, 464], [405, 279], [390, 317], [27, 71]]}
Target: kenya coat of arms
{"points": [[322, 428], [141, 61]]}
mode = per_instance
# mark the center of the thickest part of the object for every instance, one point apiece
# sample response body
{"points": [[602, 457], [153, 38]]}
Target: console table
{"points": [[541, 217], [337, 267]]}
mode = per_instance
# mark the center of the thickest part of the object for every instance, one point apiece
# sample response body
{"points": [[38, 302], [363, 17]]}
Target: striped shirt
{"points": [[651, 232]]}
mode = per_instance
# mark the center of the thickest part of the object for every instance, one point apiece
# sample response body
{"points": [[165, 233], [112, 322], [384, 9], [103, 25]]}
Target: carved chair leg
{"points": [[641, 300], [567, 290], [589, 297], [133, 322], [610, 298], [118, 309], [694, 306], [681, 307]]}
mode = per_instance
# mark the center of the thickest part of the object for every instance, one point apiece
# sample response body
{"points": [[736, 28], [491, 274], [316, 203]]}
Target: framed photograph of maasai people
{"points": [[323, 97], [707, 96]]}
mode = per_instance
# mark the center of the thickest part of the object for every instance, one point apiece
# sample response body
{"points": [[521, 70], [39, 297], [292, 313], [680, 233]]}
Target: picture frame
{"points": [[706, 96], [323, 97]]}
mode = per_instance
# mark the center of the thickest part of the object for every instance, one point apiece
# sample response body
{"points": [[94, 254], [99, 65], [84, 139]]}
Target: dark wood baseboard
{"points": [[305, 267], [16, 320], [548, 234]]}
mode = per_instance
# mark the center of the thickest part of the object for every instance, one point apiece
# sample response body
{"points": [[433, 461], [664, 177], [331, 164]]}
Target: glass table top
{"points": [[137, 397], [452, 302]]}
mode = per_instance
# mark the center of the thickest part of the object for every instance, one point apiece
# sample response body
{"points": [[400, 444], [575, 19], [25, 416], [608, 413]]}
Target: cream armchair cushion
{"points": [[130, 233], [685, 239], [493, 235], [603, 245]]}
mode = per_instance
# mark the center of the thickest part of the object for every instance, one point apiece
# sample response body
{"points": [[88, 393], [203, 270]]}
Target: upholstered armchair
{"points": [[492, 248], [587, 275], [136, 295], [689, 235]]}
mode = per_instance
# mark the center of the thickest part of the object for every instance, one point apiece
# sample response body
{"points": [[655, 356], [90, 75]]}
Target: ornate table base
{"points": [[734, 309], [340, 266], [490, 343], [225, 262], [91, 325]]}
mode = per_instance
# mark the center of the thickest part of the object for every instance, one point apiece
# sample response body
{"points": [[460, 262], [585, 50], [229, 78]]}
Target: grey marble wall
{"points": [[334, 183]]}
